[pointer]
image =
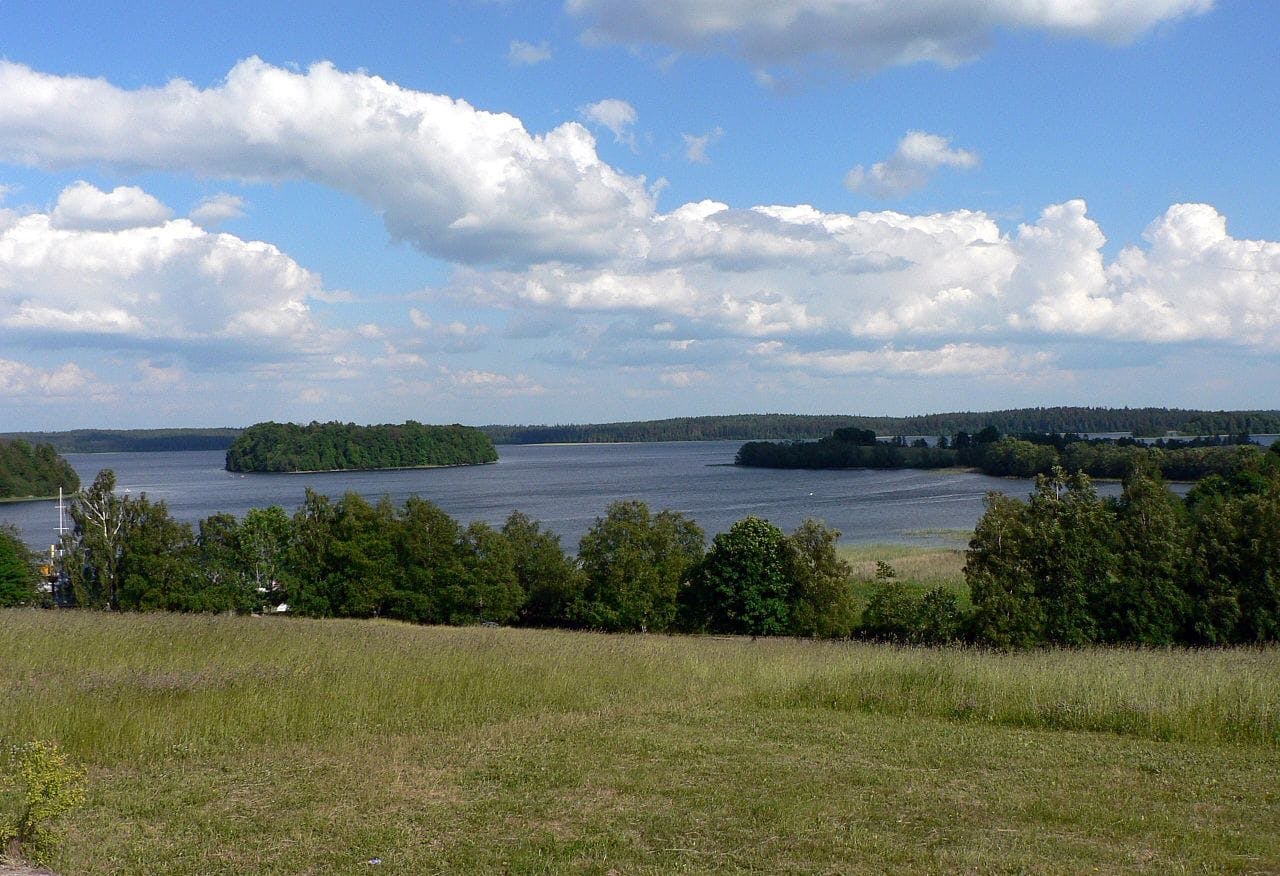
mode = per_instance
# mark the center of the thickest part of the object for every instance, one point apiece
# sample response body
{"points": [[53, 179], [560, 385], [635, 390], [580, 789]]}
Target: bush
{"points": [[37, 786]]}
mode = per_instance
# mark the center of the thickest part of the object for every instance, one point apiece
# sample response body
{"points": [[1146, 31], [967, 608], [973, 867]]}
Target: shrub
{"points": [[37, 786]]}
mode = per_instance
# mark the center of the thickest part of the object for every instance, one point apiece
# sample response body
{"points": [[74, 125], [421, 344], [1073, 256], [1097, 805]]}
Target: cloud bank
{"points": [[540, 225], [864, 36]]}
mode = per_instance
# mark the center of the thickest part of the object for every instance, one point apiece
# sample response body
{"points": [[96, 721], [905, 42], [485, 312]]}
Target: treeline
{"points": [[739, 427], [1069, 568], [1064, 567], [1147, 422], [747, 427], [34, 470], [288, 447], [131, 440], [1023, 456], [634, 571]]}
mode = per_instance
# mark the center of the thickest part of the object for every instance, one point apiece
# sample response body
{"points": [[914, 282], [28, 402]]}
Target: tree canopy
{"points": [[34, 470]]}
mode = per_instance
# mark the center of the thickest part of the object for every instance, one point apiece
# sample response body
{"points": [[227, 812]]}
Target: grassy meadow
{"points": [[920, 568], [278, 745]]}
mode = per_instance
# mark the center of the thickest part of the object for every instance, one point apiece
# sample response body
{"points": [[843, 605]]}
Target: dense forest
{"points": [[746, 427], [288, 447], [34, 470], [1023, 456], [740, 427], [131, 440], [1063, 567]]}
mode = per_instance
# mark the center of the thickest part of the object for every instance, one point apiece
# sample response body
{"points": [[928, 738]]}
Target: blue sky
{"points": [[600, 210]]}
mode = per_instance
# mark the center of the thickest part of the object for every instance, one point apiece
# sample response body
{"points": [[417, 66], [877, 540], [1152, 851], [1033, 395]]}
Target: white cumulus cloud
{"points": [[459, 182], [540, 224], [913, 163], [83, 207], [949, 360], [168, 281]]}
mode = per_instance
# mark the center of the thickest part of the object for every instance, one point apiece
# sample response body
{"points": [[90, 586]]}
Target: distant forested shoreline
{"points": [[130, 440], [288, 447], [1143, 422], [1023, 456]]}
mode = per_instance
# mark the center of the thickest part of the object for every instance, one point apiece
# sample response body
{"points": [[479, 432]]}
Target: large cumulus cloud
{"points": [[459, 182], [108, 268]]}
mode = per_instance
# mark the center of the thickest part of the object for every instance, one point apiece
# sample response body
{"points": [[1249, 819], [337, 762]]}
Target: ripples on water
{"points": [[567, 486]]}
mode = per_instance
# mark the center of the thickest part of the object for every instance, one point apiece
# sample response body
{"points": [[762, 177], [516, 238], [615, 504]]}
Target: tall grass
{"points": [[1191, 696], [137, 686], [281, 745]]}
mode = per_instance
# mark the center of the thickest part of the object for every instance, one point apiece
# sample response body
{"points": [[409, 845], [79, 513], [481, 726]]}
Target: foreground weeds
{"points": [[273, 745]]}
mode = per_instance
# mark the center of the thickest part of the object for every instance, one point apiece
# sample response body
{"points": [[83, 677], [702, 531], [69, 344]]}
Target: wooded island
{"points": [[288, 447], [34, 471]]}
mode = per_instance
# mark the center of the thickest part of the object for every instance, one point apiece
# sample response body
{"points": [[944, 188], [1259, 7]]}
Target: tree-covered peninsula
{"points": [[1023, 456], [28, 470], [288, 447]]}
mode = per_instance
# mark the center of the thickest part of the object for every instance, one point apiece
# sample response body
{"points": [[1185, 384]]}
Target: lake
{"points": [[567, 486]]}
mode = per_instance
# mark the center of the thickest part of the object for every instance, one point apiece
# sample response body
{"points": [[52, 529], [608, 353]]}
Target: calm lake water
{"points": [[567, 486]]}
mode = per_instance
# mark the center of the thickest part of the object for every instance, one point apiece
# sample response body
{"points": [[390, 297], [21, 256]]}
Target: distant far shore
{"points": [[1141, 422]]}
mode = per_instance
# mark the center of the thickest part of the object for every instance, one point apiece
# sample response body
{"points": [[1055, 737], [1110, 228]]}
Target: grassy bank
{"points": [[281, 745]]}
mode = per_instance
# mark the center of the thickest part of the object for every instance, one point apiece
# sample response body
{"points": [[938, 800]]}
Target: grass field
{"points": [[920, 568], [273, 745]]}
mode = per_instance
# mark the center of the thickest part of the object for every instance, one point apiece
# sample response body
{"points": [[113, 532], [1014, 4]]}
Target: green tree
{"points": [[489, 591], [93, 546], [343, 556], [822, 590], [892, 612], [157, 562], [262, 551], [635, 564], [1001, 575], [1147, 602], [1038, 571], [939, 620], [432, 560], [17, 572], [550, 579], [897, 612], [743, 585], [1235, 591]]}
